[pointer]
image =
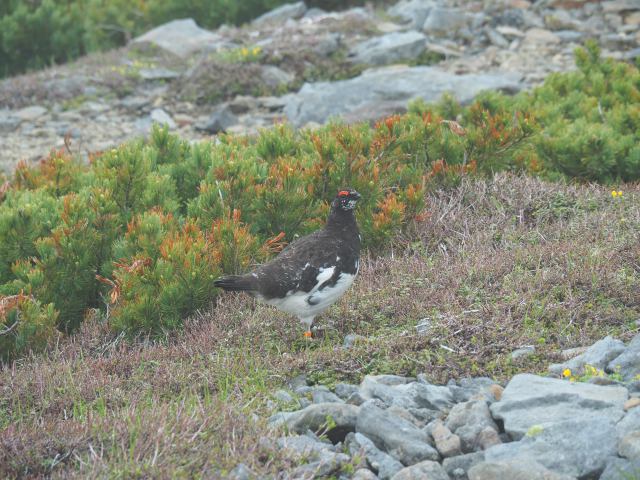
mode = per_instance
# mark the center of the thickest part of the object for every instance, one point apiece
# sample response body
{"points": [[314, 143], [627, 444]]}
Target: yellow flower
{"points": [[614, 194], [619, 193], [257, 50], [244, 51], [566, 373]]}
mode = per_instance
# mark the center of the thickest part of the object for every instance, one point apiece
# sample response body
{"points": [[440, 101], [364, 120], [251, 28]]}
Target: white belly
{"points": [[298, 303]]}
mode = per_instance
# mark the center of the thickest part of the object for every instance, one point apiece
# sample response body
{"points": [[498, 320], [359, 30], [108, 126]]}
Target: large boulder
{"points": [[391, 48], [580, 448], [317, 102], [530, 400], [180, 37]]}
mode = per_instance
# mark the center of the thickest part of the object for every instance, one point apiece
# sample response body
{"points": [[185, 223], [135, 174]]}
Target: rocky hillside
{"points": [[302, 65]]}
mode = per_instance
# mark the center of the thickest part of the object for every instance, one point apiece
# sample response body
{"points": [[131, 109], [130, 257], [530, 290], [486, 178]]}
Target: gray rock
{"points": [[8, 123], [325, 396], [283, 396], [344, 390], [274, 77], [631, 54], [380, 462], [158, 115], [597, 355], [134, 102], [281, 14], [446, 442], [627, 363], [498, 40], [398, 437], [390, 48], [630, 423], [629, 446], [426, 470], [523, 352], [29, 114], [351, 339], [303, 446], [621, 469], [329, 463], [467, 388], [220, 120], [446, 21], [469, 420], [317, 102], [314, 418], [180, 37], [532, 400], [356, 398], [520, 469], [457, 467], [570, 35], [328, 44], [579, 448], [364, 474], [157, 74], [413, 12], [241, 472], [617, 6]]}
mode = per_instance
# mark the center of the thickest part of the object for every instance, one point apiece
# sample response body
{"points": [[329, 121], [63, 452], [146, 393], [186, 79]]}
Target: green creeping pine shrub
{"points": [[142, 231], [590, 119], [25, 325]]}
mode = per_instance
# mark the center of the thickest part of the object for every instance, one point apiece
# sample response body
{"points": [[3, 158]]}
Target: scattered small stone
{"points": [[283, 396], [220, 120], [457, 467], [158, 115], [351, 339], [325, 396], [382, 463], [468, 420], [241, 472], [523, 352]]}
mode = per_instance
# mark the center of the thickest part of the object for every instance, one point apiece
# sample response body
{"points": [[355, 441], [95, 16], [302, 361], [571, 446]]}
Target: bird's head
{"points": [[346, 199]]}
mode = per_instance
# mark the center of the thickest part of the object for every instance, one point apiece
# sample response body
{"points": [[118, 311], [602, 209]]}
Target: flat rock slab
{"points": [[281, 14], [530, 400], [180, 37], [580, 448], [317, 102], [426, 470], [390, 48]]}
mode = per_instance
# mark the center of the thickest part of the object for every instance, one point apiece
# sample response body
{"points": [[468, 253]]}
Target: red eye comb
{"points": [[343, 193]]}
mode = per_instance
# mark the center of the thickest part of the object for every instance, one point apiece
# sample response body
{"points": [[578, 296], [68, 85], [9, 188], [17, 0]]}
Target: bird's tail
{"points": [[235, 283]]}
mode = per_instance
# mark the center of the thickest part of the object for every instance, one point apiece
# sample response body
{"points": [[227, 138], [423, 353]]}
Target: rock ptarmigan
{"points": [[311, 273]]}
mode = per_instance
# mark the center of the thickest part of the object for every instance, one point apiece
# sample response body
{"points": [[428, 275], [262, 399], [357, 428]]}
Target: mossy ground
{"points": [[497, 264]]}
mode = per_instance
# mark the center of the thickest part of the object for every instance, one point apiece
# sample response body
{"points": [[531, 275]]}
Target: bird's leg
{"points": [[307, 322]]}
